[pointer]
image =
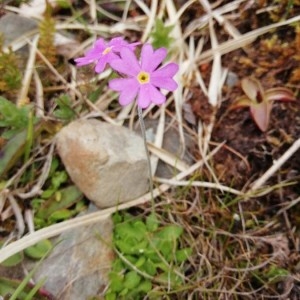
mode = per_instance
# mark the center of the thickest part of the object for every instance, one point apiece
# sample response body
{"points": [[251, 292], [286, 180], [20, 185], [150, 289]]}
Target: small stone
{"points": [[107, 162]]}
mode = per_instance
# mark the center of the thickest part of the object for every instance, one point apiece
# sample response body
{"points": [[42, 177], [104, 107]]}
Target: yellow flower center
{"points": [[143, 77], [107, 50]]}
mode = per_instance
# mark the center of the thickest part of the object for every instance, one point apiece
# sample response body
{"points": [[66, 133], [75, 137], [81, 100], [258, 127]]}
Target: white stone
{"points": [[107, 162]]}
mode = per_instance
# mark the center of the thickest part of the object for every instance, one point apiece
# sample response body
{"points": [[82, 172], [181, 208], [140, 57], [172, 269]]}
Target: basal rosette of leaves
{"points": [[260, 102], [148, 255]]}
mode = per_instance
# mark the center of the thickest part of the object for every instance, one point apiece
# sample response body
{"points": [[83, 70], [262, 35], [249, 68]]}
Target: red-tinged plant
{"points": [[260, 102]]}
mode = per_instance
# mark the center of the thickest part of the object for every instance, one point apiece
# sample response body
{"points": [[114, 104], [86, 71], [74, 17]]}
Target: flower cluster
{"points": [[141, 79]]}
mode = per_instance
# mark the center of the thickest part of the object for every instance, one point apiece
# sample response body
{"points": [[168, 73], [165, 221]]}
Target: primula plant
{"points": [[141, 79], [260, 102]]}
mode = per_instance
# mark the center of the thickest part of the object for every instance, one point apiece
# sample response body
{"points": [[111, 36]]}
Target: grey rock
{"points": [[107, 162], [232, 79], [14, 26], [78, 266], [171, 143]]}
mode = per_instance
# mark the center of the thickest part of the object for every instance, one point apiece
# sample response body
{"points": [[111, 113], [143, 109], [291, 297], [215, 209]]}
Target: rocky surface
{"points": [[107, 162], [13, 26], [78, 266]]}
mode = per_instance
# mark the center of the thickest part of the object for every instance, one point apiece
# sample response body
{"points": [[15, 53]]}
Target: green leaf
{"points": [[59, 178], [140, 262], [170, 232], [116, 281], [145, 286], [48, 193], [127, 231], [183, 254], [161, 35], [152, 222], [110, 296], [132, 280], [275, 273], [39, 249], [8, 287], [124, 247], [132, 259], [64, 3], [140, 291], [117, 218], [140, 230], [149, 267], [14, 149], [64, 110], [13, 260], [60, 215], [69, 196], [13, 116], [169, 278], [118, 265]]}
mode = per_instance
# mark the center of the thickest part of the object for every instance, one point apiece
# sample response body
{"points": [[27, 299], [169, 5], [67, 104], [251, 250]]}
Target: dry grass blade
{"points": [[28, 72], [243, 40], [168, 157], [158, 138], [151, 20], [209, 185], [276, 166]]}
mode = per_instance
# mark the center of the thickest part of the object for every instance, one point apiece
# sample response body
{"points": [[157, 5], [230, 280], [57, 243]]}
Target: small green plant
{"points": [[59, 201], [24, 290], [148, 255], [12, 118], [47, 31], [161, 35], [260, 102], [10, 74], [64, 110]]}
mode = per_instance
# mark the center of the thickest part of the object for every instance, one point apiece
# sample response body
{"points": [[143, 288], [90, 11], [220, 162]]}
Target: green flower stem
{"points": [[143, 129]]}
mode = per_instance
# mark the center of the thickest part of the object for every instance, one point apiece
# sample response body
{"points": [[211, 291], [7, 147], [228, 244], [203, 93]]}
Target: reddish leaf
{"points": [[253, 89], [281, 94], [261, 114], [241, 102]]}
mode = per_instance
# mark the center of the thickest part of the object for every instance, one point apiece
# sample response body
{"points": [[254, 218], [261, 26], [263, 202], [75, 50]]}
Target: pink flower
{"points": [[104, 53], [144, 78]]}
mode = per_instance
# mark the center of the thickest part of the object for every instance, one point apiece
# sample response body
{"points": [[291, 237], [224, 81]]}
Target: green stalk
{"points": [[143, 129]]}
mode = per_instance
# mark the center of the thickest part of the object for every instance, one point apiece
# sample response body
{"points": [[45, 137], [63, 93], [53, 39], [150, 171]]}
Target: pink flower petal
{"points": [[100, 44], [168, 70], [128, 63], [128, 88], [117, 41], [82, 61], [143, 99], [156, 96], [101, 64], [150, 59], [119, 84], [128, 55], [164, 83], [148, 94]]}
